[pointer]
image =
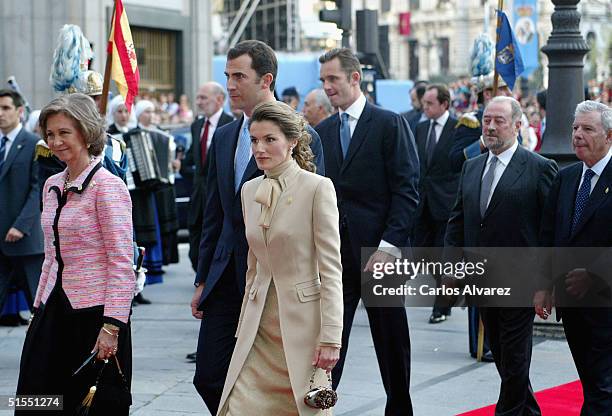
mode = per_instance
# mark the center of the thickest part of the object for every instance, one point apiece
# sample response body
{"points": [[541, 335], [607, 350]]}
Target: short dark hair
{"points": [[15, 96], [263, 58], [541, 98], [443, 93], [420, 87], [348, 60]]}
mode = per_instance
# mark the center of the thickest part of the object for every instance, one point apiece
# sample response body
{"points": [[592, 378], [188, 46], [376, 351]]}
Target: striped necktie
{"points": [[243, 155], [3, 151], [582, 197]]}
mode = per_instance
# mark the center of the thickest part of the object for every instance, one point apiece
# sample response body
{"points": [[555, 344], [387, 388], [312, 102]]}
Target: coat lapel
{"points": [[598, 195], [10, 158], [473, 192], [359, 135], [513, 171]]}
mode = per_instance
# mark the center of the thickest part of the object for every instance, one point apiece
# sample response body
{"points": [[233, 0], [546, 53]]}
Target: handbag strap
{"points": [[312, 377]]}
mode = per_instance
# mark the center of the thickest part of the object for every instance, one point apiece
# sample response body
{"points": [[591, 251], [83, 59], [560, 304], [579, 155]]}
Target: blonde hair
{"points": [[293, 127]]}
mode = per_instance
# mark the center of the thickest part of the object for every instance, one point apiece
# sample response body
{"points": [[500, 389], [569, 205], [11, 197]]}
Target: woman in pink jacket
{"points": [[83, 302]]}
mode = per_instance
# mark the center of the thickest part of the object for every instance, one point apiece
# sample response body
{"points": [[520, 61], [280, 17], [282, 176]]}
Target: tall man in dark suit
{"points": [[499, 204], [209, 101], [437, 182], [579, 214], [251, 70], [371, 158], [21, 239]]}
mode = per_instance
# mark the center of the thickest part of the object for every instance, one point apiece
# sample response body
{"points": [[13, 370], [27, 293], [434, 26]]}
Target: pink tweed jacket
{"points": [[94, 232]]}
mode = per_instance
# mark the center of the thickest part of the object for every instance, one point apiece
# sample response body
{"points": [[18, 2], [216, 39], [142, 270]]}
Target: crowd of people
{"points": [[283, 203]]}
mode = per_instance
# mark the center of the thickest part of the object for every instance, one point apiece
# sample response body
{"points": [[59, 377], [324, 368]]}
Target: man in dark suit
{"points": [[209, 101], [416, 115], [21, 239], [499, 203], [371, 158], [251, 71], [579, 214], [438, 182]]}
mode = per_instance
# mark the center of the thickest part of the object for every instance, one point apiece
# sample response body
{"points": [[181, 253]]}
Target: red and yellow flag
{"points": [[124, 68]]}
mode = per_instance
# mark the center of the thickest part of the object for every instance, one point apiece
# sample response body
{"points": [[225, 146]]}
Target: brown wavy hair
{"points": [[293, 126]]}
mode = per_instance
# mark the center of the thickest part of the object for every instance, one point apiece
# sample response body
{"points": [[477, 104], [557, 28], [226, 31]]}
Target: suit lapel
{"points": [[473, 192], [422, 141], [359, 135], [197, 151], [15, 148], [226, 152], [598, 195], [332, 139], [513, 171], [569, 187]]}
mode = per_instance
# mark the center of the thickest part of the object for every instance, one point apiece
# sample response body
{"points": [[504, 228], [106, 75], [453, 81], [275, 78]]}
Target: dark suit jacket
{"points": [[192, 165], [376, 184], [19, 197], [412, 117], [438, 181], [223, 234], [514, 215], [593, 230]]}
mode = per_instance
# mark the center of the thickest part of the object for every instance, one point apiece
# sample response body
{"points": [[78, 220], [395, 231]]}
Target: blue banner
{"points": [[508, 61], [525, 18]]}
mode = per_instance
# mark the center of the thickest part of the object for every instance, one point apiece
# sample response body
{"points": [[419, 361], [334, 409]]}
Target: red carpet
{"points": [[563, 400]]}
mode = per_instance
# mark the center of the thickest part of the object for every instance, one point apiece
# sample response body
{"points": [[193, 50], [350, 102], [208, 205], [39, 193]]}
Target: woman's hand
{"points": [[326, 357], [106, 344]]}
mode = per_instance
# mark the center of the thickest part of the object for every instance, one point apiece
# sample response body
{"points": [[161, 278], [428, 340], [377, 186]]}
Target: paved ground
{"points": [[445, 381]]}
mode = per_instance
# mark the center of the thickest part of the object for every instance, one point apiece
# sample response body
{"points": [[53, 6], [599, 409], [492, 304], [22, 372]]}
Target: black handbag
{"points": [[110, 394], [320, 397]]}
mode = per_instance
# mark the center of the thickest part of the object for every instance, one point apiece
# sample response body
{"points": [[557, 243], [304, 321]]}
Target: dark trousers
{"points": [[473, 320], [389, 328], [23, 270], [510, 332], [217, 340], [589, 335], [429, 232]]}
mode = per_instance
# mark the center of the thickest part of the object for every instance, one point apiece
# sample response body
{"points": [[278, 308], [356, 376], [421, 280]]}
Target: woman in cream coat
{"points": [[291, 317]]}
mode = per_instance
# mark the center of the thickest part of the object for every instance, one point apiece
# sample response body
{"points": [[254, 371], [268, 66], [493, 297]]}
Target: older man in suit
{"points": [[499, 204], [578, 214], [21, 244], [251, 71], [438, 182], [372, 160], [209, 101]]}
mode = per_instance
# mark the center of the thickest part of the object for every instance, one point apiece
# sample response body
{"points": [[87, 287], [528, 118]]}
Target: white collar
{"points": [[600, 165], [443, 118], [214, 119], [355, 109], [505, 156], [12, 135]]}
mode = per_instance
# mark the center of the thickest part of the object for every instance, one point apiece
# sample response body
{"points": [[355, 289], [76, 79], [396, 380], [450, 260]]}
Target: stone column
{"points": [[565, 50]]}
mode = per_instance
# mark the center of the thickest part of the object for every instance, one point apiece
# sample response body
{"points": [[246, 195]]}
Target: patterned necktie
{"points": [[582, 197], [431, 142], [204, 143], [345, 133], [243, 155], [3, 151], [487, 184]]}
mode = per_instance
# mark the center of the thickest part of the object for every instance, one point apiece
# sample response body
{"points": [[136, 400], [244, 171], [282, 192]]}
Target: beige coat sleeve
{"points": [[251, 269], [327, 246]]}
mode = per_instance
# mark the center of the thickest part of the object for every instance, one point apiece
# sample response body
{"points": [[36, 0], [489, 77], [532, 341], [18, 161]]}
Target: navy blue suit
{"points": [[222, 262], [588, 329], [376, 185], [19, 208]]}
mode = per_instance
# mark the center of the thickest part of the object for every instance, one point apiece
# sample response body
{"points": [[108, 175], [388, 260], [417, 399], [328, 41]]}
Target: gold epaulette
{"points": [[42, 150], [468, 120]]}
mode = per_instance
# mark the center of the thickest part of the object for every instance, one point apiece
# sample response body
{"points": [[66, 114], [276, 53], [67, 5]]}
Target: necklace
{"points": [[67, 182]]}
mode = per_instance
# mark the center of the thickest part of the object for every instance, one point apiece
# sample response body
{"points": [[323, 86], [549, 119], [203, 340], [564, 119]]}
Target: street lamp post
{"points": [[565, 50]]}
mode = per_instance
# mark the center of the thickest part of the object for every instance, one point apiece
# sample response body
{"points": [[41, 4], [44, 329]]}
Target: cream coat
{"points": [[302, 255]]}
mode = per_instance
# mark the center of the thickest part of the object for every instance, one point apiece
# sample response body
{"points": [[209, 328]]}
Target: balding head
{"points": [[210, 98], [317, 107]]}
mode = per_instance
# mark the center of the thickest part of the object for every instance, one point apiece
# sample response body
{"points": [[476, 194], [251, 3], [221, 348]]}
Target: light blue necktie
{"points": [[582, 197], [3, 151], [243, 155], [345, 133]]}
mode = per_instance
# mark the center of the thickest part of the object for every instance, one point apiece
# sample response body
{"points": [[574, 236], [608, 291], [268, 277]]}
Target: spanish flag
{"points": [[124, 68]]}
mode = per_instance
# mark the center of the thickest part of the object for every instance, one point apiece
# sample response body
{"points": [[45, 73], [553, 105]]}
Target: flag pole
{"points": [[107, 70], [500, 7]]}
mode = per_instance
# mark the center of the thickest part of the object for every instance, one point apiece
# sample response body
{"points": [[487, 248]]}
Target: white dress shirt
{"points": [[597, 168], [502, 163], [440, 123], [12, 135], [213, 122]]}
